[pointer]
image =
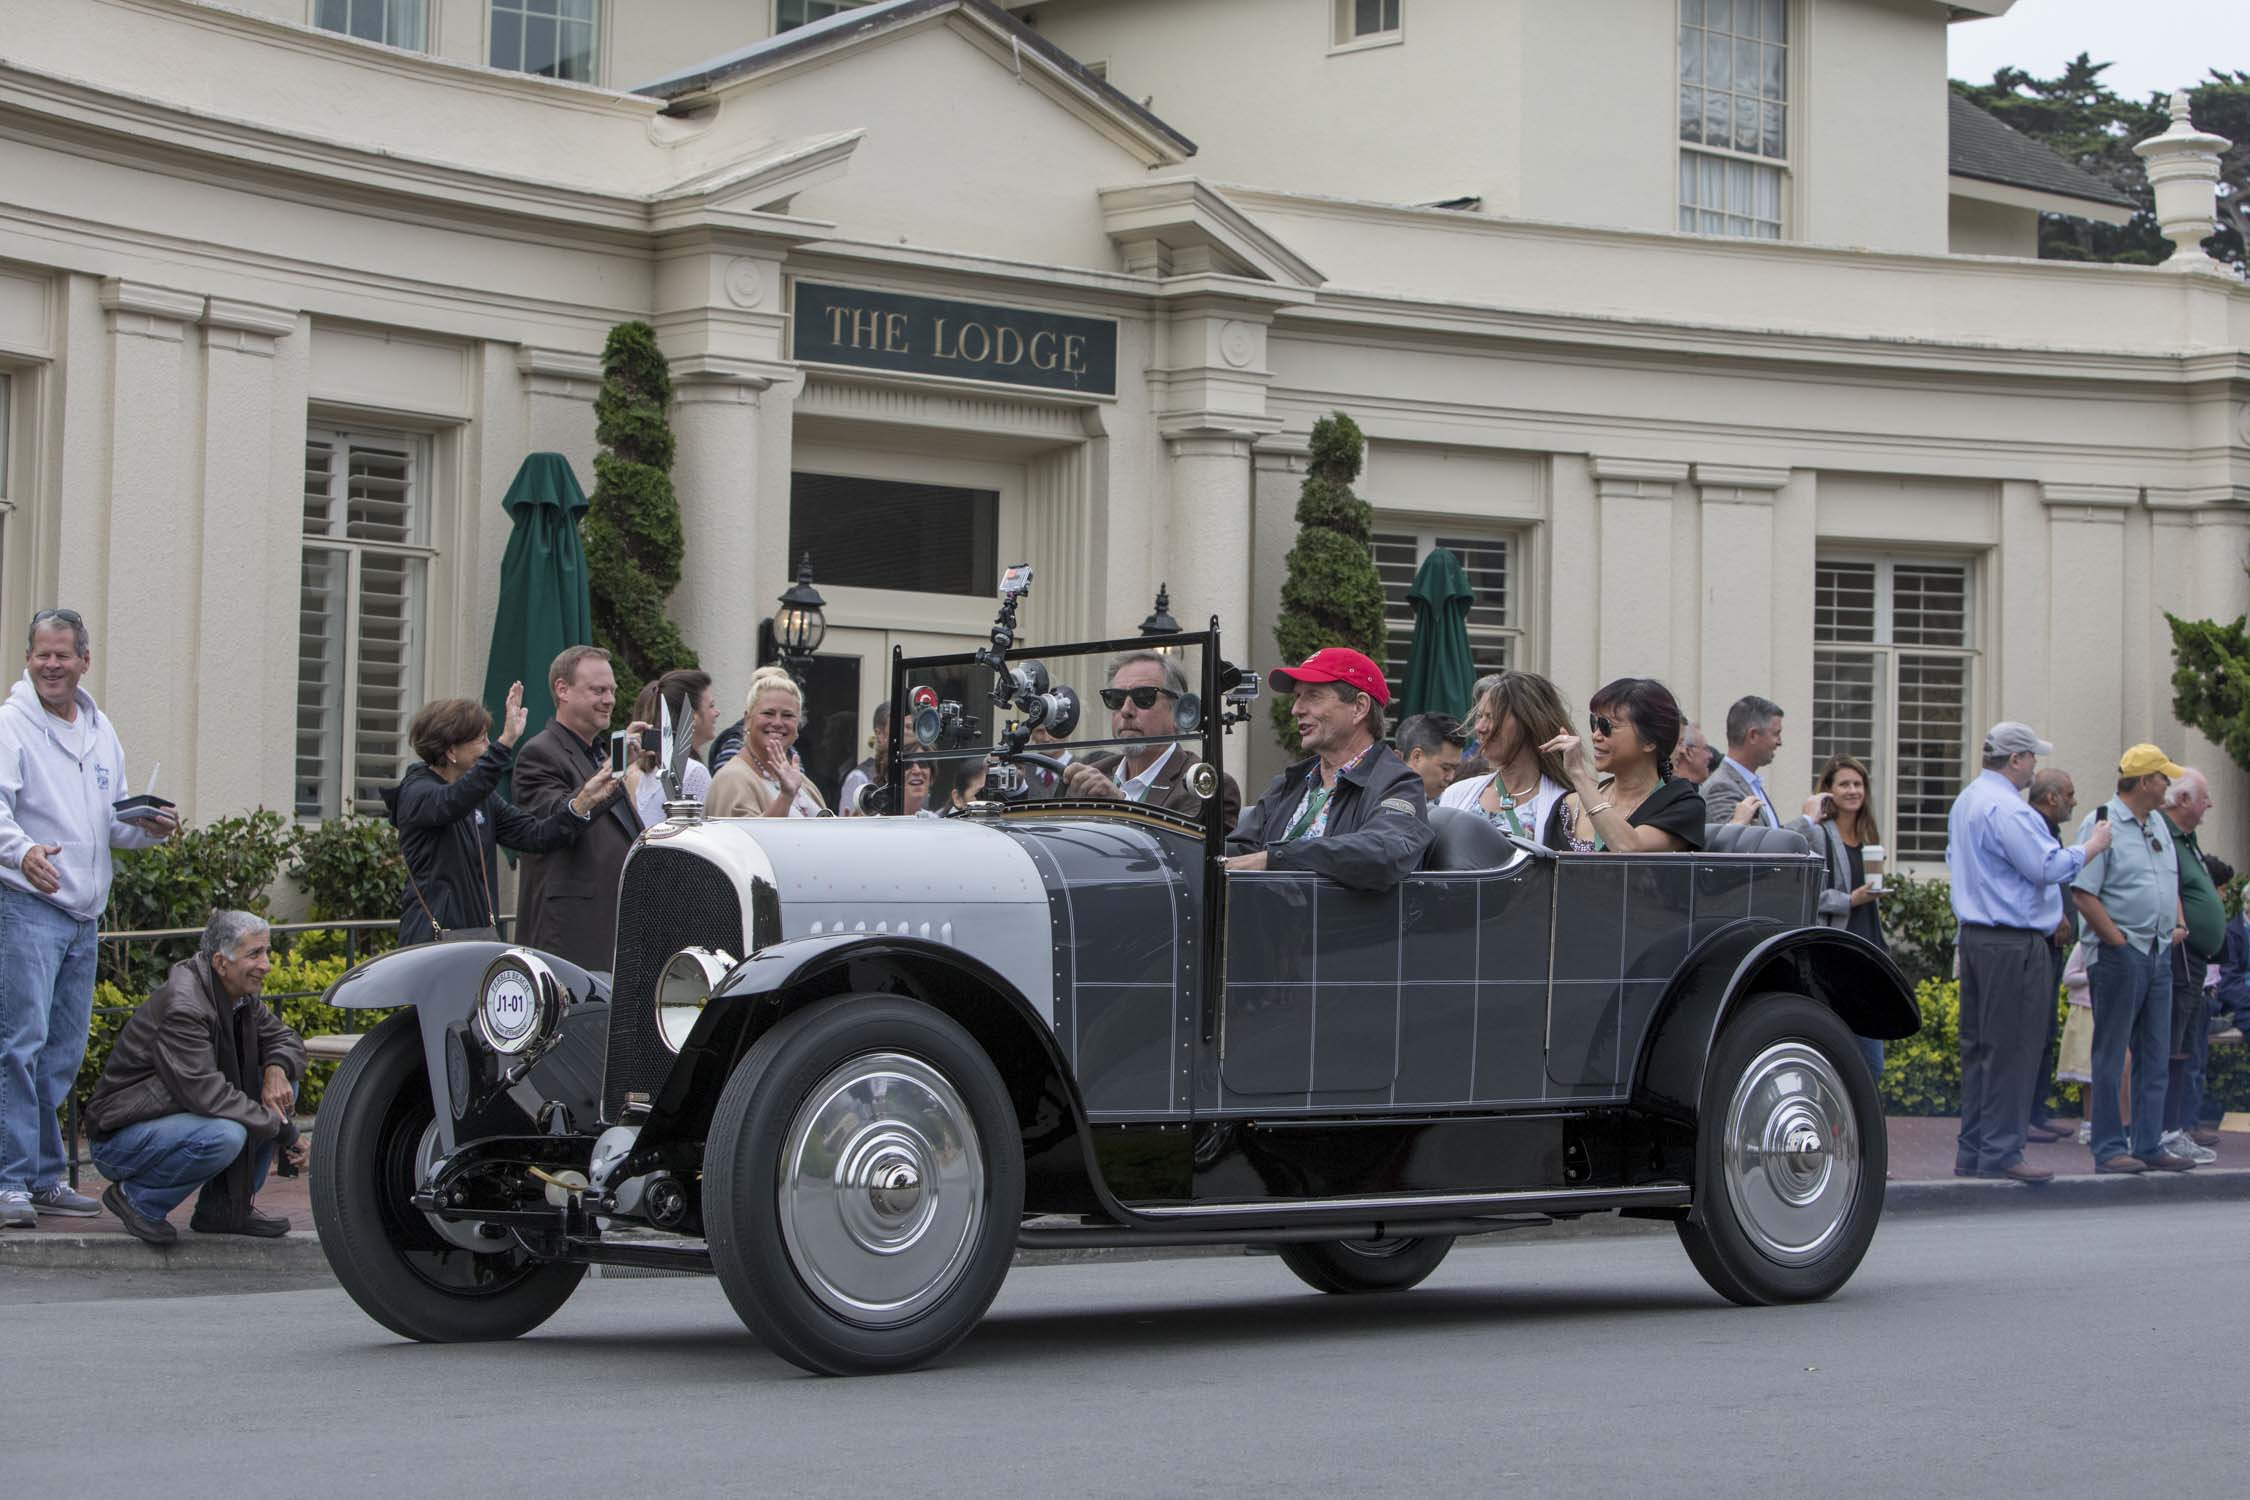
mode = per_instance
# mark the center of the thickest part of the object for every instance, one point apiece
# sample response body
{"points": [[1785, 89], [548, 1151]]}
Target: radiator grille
{"points": [[671, 899]]}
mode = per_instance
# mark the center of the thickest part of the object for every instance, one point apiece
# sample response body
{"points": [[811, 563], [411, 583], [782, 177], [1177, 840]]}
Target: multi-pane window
{"points": [[1734, 116], [1489, 561], [553, 38], [1894, 674], [395, 23], [363, 614], [788, 15], [1365, 18]]}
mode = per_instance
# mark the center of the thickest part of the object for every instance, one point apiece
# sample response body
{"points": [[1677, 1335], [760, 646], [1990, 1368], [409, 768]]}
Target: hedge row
{"points": [[1922, 1074]]}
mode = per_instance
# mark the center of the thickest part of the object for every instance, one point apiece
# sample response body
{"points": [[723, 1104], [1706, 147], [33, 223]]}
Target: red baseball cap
{"points": [[1334, 664]]}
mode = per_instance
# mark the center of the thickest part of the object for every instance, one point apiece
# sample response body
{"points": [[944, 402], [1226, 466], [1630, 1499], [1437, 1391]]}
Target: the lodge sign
{"points": [[842, 325]]}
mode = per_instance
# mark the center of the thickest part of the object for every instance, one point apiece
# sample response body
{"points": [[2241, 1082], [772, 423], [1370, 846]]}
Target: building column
{"points": [[1207, 558], [2085, 631], [717, 418], [244, 742], [1636, 567], [145, 640], [1736, 632], [559, 388]]}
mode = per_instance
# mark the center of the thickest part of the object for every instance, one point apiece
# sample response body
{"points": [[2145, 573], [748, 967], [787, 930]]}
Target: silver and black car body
{"points": [[851, 1065]]}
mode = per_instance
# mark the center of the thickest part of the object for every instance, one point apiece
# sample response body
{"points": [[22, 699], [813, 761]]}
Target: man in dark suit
{"points": [[568, 902], [1144, 687]]}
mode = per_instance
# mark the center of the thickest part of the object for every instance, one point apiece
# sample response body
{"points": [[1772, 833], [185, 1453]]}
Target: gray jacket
{"points": [[1836, 895], [1723, 791], [1378, 823]]}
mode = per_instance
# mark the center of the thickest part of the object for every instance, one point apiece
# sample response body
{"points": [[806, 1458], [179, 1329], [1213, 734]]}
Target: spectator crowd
{"points": [[2124, 915]]}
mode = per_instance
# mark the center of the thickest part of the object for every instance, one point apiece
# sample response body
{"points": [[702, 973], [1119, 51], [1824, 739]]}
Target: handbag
{"points": [[490, 933]]}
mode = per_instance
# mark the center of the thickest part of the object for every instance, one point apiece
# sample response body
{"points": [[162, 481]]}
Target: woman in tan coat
{"points": [[765, 779]]}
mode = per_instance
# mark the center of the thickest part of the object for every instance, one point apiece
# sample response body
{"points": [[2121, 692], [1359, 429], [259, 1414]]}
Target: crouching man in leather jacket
{"points": [[197, 1092], [1352, 810]]}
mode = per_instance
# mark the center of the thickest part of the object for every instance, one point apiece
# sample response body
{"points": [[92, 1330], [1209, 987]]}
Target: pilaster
{"points": [[717, 418]]}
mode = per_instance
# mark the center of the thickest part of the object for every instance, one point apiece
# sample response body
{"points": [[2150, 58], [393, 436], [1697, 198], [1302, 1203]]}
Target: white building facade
{"points": [[1691, 369]]}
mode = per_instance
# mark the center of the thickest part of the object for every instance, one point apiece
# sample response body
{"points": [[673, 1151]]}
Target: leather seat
{"points": [[1753, 838], [1466, 840]]}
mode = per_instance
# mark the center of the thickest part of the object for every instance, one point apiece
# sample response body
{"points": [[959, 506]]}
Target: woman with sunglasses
{"points": [[1518, 714], [1644, 809]]}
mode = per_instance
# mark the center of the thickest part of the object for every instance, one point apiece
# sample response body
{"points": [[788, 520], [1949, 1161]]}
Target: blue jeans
{"points": [[46, 998], [1872, 1050], [2131, 989], [158, 1162]]}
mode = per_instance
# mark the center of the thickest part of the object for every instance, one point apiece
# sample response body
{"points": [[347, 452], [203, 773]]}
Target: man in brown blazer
{"points": [[568, 902], [1143, 688]]}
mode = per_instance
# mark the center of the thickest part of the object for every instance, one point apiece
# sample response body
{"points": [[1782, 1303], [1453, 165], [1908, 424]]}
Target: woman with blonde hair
{"points": [[765, 779], [1515, 717]]}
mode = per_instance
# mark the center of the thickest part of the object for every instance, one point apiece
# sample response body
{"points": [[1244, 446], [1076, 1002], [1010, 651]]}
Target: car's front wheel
{"points": [[1790, 1156], [1386, 1265], [863, 1185], [420, 1277]]}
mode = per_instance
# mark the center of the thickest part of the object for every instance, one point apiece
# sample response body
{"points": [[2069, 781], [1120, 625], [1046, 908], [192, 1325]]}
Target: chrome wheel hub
{"points": [[453, 1232], [882, 1189], [1791, 1153]]}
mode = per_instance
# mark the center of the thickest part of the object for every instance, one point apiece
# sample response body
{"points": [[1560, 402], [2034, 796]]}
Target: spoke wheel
{"points": [[369, 1151], [863, 1183], [1790, 1156], [1344, 1267]]}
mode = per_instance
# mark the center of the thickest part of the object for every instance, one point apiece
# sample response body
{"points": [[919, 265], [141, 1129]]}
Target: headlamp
{"points": [[684, 987]]}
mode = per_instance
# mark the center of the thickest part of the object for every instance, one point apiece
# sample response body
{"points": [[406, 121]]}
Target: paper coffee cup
{"points": [[1871, 860]]}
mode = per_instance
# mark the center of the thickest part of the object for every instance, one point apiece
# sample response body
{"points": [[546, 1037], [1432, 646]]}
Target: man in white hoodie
{"points": [[61, 769]]}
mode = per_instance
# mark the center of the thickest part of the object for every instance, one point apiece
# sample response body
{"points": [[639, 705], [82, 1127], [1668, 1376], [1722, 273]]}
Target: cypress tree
{"points": [[1332, 595], [2211, 685], [631, 530]]}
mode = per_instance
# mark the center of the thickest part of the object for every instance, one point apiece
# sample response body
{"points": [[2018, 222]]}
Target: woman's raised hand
{"points": [[1575, 760], [513, 716]]}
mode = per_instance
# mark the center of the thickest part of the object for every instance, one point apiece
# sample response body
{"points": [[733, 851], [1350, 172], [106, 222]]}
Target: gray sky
{"points": [[2155, 44]]}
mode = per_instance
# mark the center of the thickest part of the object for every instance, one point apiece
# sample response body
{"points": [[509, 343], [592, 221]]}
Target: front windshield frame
{"points": [[1207, 741]]}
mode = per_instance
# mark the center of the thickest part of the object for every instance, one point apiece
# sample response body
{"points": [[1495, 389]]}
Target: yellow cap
{"points": [[2141, 760]]}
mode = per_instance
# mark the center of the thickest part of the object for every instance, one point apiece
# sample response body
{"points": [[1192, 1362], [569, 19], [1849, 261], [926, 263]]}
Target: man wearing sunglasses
{"points": [[2129, 899], [1144, 689]]}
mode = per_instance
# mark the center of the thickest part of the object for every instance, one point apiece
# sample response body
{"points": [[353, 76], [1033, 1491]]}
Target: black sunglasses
{"points": [[1143, 697], [1602, 724]]}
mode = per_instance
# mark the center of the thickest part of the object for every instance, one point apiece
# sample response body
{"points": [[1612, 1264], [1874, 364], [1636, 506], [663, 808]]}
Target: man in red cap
{"points": [[1351, 810]]}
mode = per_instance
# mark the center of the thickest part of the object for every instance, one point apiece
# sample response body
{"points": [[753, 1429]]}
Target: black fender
{"points": [[1842, 970], [782, 978], [441, 982]]}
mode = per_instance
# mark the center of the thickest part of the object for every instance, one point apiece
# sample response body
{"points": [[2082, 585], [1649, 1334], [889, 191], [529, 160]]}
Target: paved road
{"points": [[1991, 1355]]}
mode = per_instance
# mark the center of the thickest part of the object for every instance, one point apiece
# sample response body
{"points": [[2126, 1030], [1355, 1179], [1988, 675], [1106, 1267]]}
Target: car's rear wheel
{"points": [[416, 1277], [863, 1185], [1790, 1156], [1385, 1265]]}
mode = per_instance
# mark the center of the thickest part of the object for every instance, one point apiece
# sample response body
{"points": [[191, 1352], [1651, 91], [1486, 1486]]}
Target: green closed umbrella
{"points": [[543, 603], [1441, 672]]}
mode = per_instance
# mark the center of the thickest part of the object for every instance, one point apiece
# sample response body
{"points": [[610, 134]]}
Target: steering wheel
{"points": [[1047, 763]]}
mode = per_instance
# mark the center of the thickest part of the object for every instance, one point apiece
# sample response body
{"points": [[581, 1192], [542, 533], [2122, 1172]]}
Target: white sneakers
{"points": [[2177, 1142], [16, 1211]]}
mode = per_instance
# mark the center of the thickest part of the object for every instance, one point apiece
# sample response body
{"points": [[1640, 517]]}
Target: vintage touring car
{"points": [[851, 1064]]}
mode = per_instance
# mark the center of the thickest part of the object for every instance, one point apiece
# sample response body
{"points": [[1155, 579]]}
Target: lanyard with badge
{"points": [[1317, 798]]}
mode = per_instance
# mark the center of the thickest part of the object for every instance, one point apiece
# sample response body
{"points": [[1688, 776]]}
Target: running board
{"points": [[1111, 1237], [1399, 1210]]}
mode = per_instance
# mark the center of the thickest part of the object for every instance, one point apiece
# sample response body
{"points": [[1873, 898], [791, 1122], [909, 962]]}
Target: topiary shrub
{"points": [[632, 529], [1331, 595]]}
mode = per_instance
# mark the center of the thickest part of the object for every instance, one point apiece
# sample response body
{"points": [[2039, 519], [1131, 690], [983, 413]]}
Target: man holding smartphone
{"points": [[568, 902], [2007, 876]]}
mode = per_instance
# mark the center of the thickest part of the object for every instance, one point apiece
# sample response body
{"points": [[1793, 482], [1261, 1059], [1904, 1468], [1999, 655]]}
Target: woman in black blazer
{"points": [[451, 817]]}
